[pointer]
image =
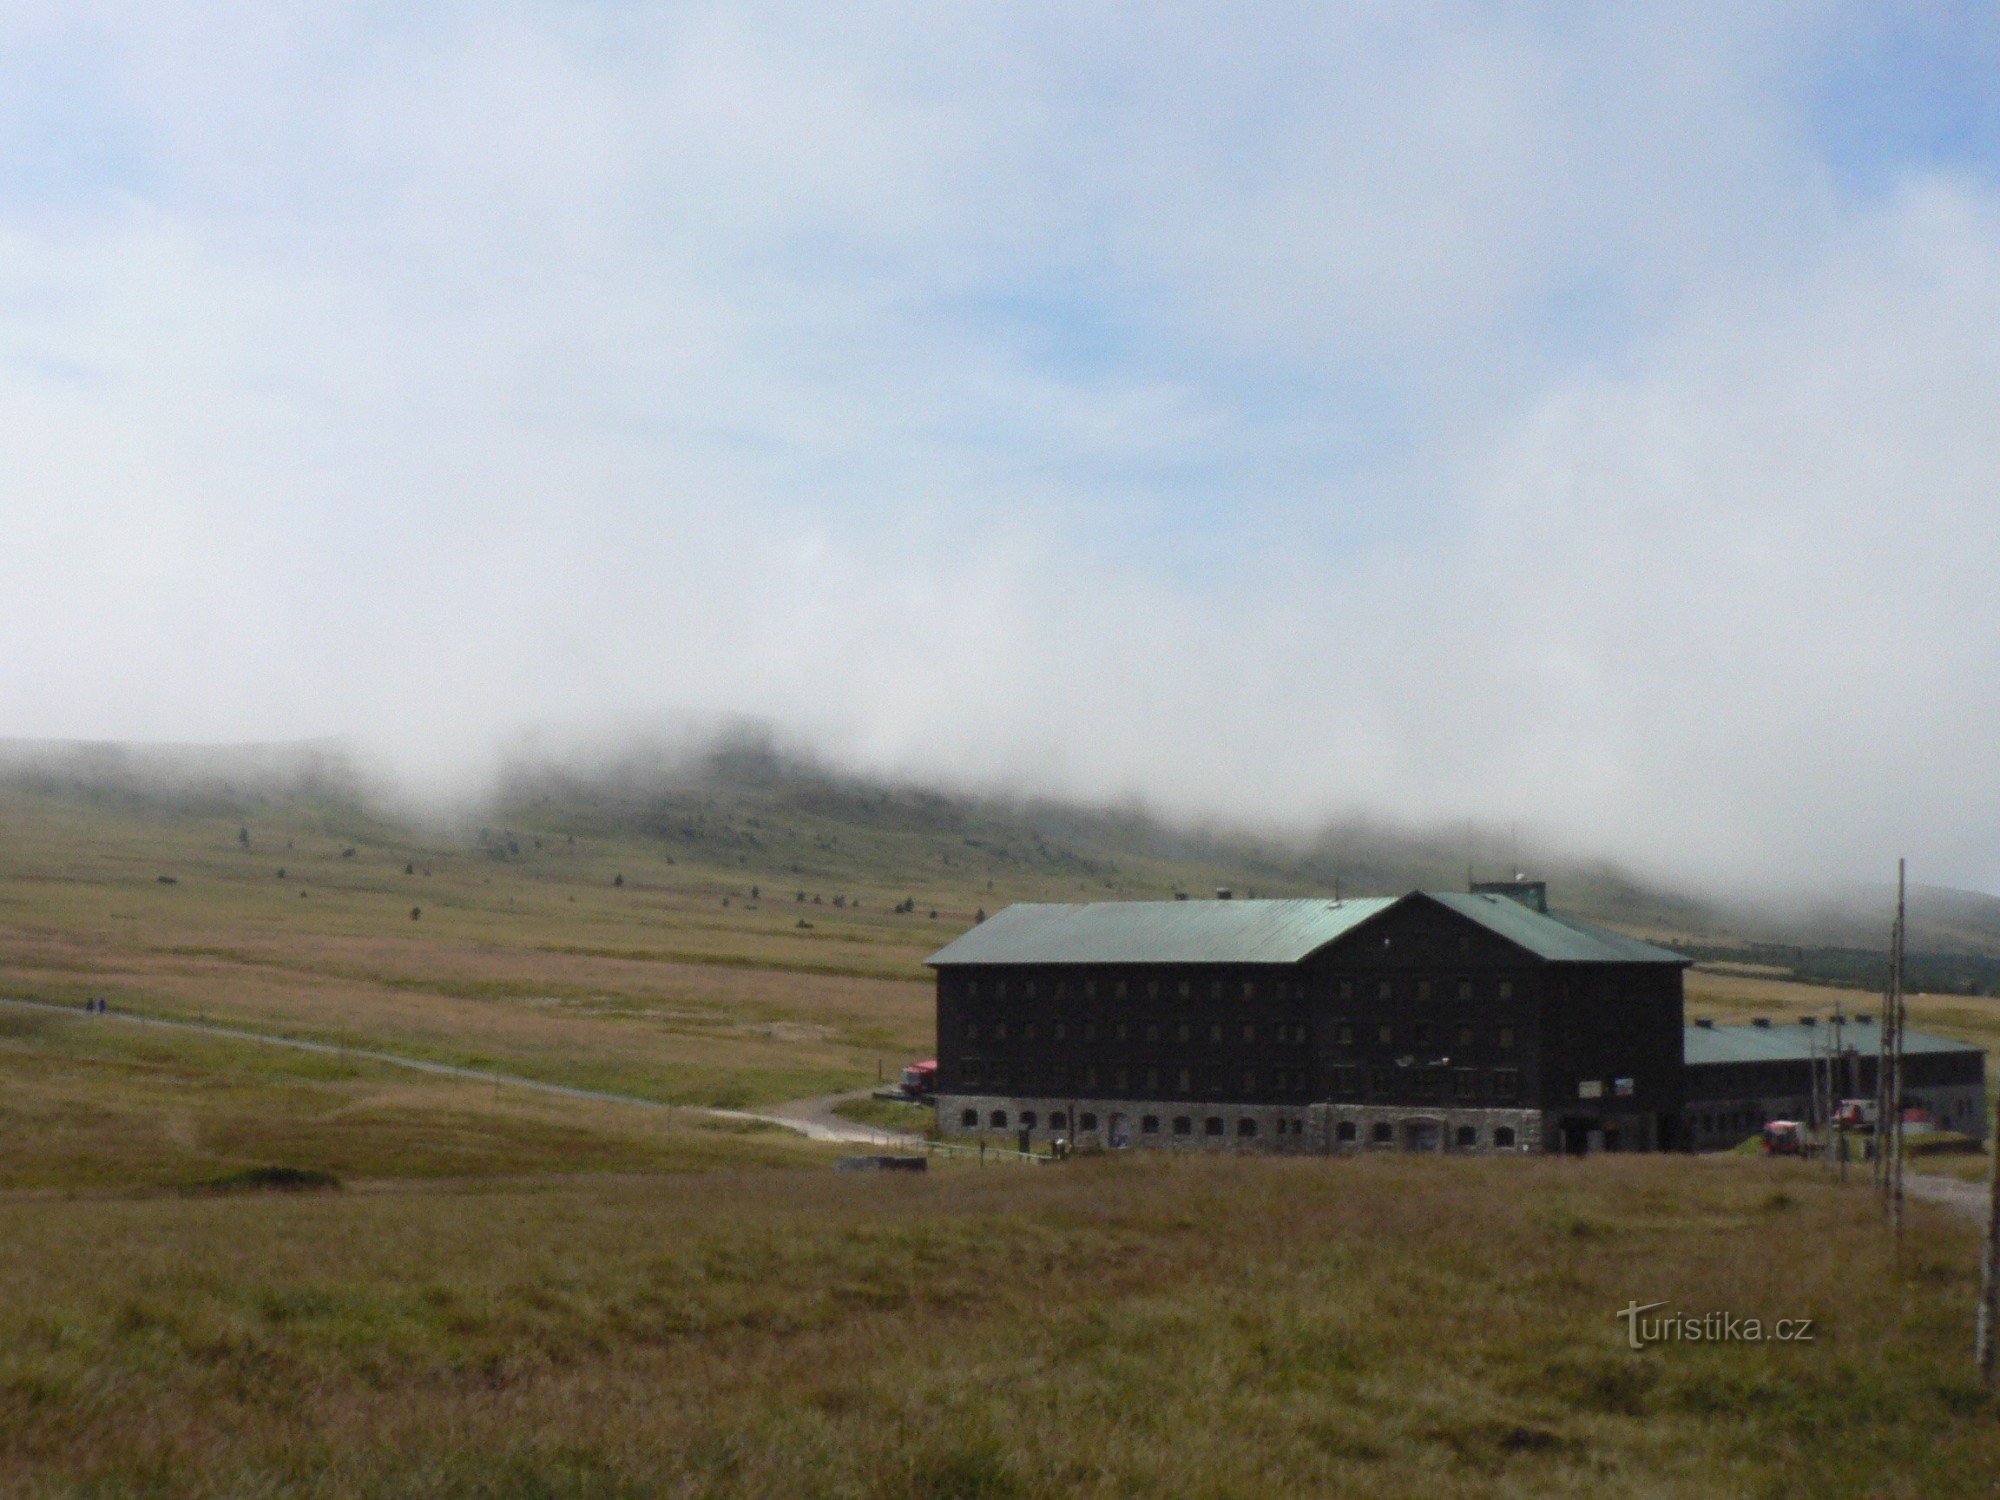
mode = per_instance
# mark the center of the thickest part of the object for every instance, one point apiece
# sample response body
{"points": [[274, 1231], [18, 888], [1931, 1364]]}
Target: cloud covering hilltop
{"points": [[1456, 411]]}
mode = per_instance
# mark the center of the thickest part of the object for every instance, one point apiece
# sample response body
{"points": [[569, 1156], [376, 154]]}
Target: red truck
{"points": [[920, 1080]]}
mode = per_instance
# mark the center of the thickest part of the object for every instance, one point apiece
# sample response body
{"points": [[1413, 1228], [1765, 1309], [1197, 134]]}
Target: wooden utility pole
{"points": [[1985, 1329], [1879, 1156], [1896, 1008], [1836, 1072]]}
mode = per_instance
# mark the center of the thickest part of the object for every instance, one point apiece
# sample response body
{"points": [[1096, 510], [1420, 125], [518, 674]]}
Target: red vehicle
{"points": [[920, 1080], [1783, 1138]]}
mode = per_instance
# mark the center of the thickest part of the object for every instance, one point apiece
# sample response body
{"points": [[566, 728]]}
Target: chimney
{"points": [[1706, 1023], [1533, 894], [1223, 893], [1763, 1021]]}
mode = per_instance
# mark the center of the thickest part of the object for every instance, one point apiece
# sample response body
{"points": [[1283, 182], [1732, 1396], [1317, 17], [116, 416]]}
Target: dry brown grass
{"points": [[103, 1105], [1136, 1327], [546, 968]]}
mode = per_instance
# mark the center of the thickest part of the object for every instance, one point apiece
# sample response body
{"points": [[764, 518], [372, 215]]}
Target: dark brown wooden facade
{"points": [[1418, 1008]]}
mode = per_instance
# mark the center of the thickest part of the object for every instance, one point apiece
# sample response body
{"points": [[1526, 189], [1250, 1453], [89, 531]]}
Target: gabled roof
{"points": [[1791, 1041], [1160, 932], [1257, 932], [1551, 936]]}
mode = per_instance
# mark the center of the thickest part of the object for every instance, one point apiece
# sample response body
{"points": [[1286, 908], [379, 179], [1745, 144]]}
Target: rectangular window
{"points": [[1385, 1035], [968, 1072], [1152, 1031], [1090, 1031], [1423, 989], [1181, 1031], [1249, 989], [1186, 1081], [1590, 1088], [999, 989], [1347, 989], [1465, 1083], [1506, 1083], [1465, 1036], [1386, 990], [1059, 1031], [1152, 1080], [1249, 1032], [1121, 1078], [1090, 1077], [1381, 1082], [1506, 1038], [1249, 1080], [1186, 989], [1506, 989], [1122, 1031], [1343, 1033], [1028, 989], [1346, 1082], [972, 1031], [1464, 988], [999, 1031], [999, 1075], [1215, 1031], [1090, 989], [1423, 1030], [1027, 1031]]}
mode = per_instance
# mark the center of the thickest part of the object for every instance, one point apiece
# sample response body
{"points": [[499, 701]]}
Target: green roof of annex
{"points": [[1261, 932], [1795, 1041]]}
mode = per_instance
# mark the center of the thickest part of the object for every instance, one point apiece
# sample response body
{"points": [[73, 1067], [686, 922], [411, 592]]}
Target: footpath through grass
{"points": [[1216, 1327]]}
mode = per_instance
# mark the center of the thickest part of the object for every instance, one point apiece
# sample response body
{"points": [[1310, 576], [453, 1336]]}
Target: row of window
{"points": [[1430, 1082], [1086, 1121], [1462, 988], [1123, 1078], [1418, 1034], [1283, 1033], [1383, 1133], [1029, 987]]}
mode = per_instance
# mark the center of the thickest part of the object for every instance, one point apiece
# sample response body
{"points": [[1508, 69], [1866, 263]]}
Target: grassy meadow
{"points": [[517, 1295], [1383, 1326]]}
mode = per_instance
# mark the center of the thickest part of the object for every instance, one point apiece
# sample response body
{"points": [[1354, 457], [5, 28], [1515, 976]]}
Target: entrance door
{"points": [[1423, 1135], [1121, 1136]]}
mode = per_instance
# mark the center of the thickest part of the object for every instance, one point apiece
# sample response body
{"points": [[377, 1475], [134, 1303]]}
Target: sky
{"points": [[1584, 417]]}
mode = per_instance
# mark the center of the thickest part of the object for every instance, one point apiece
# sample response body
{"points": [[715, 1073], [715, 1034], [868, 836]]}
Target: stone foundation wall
{"points": [[1422, 1128], [1190, 1126], [1123, 1122]]}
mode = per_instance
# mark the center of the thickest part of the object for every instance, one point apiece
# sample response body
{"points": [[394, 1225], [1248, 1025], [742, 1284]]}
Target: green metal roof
{"points": [[1548, 935], [1257, 932], [1160, 932], [1789, 1041]]}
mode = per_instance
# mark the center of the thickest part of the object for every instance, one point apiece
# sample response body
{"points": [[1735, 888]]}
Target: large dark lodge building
{"points": [[1431, 1021]]}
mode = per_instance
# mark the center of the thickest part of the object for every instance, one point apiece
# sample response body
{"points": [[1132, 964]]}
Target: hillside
{"points": [[745, 808]]}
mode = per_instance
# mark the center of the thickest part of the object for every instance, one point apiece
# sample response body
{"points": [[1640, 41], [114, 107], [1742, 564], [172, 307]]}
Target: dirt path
{"points": [[811, 1118], [1966, 1197]]}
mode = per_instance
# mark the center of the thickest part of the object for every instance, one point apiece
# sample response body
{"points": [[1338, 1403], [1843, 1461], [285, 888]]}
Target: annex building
{"points": [[1430, 1021], [1740, 1076]]}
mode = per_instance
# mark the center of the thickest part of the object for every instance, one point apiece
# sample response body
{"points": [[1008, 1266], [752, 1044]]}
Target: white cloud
{"points": [[1443, 412]]}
